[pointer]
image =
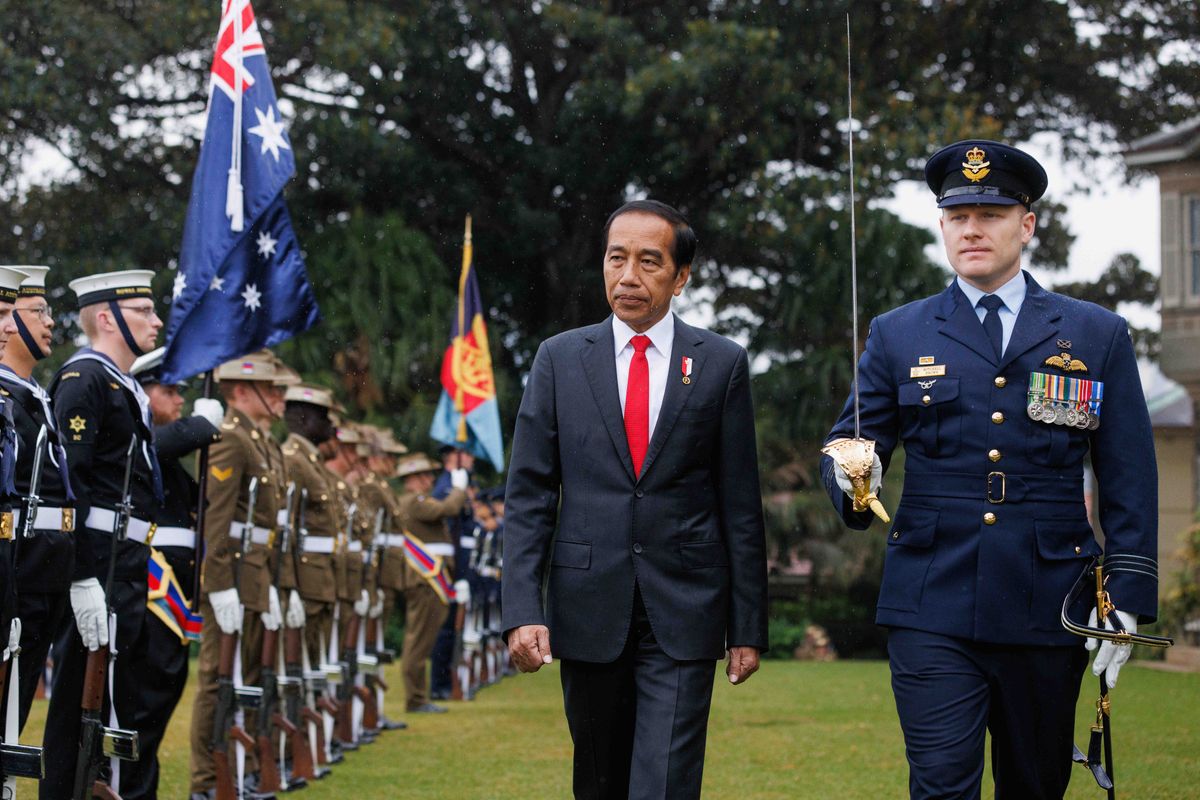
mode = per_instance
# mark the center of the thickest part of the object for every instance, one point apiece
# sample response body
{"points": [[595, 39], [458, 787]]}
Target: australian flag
{"points": [[241, 284]]}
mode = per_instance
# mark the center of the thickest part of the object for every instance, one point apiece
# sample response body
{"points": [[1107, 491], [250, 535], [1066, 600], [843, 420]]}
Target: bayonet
{"points": [[33, 500]]}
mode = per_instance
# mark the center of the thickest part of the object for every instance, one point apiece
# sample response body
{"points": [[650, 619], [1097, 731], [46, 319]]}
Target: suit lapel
{"points": [[600, 365], [961, 323], [686, 343], [1036, 323]]}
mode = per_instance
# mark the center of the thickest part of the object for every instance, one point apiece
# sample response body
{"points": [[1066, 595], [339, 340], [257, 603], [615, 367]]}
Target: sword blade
{"points": [[853, 231]]}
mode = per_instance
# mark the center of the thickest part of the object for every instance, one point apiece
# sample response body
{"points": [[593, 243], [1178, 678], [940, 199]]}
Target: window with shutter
{"points": [[1171, 245]]}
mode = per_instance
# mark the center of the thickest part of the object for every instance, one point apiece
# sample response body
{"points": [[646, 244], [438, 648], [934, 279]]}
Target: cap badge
{"points": [[975, 168]]}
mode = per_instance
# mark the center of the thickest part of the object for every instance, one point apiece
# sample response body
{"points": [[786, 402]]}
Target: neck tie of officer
{"points": [[991, 322], [637, 403]]}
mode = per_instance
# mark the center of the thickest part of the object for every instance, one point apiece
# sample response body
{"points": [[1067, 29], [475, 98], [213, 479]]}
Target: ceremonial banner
{"points": [[467, 415], [241, 283]]}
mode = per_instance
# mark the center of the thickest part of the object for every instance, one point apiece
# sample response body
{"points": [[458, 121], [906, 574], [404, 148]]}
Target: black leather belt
{"points": [[995, 487]]}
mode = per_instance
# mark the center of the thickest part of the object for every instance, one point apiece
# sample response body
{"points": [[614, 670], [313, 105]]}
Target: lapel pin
{"points": [[686, 367], [1064, 344]]}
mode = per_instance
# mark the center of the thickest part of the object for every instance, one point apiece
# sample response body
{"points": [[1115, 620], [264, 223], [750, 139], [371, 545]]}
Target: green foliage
{"points": [[1181, 607], [1123, 281]]}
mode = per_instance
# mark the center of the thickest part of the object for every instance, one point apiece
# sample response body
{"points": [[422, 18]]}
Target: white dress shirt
{"points": [[1013, 295], [658, 356]]}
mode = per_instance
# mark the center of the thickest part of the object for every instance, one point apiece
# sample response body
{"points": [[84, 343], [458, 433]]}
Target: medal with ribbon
{"points": [[1062, 400]]}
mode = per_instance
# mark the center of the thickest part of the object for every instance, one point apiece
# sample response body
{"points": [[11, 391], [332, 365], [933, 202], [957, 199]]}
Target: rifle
{"points": [[17, 761], [370, 660], [270, 776], [33, 500], [292, 681], [349, 660], [225, 725], [97, 743], [302, 706]]}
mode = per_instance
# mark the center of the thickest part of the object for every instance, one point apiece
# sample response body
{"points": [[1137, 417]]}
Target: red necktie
{"points": [[637, 403]]}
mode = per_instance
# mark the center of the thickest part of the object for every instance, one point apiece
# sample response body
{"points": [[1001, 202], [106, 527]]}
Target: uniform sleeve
{"points": [[77, 402], [1127, 474], [184, 436], [878, 420], [532, 498], [740, 502], [226, 469], [429, 510]]}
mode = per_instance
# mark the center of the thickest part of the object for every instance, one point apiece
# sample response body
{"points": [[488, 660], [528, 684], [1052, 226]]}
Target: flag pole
{"points": [[459, 401], [202, 479]]}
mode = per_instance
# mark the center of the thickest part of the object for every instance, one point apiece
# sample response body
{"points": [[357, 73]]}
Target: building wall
{"points": [[1176, 452]]}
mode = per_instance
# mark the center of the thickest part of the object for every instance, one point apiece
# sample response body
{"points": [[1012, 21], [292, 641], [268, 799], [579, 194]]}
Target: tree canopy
{"points": [[539, 118]]}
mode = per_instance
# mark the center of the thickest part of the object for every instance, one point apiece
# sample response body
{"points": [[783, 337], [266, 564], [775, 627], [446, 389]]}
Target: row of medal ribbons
{"points": [[1059, 400]]}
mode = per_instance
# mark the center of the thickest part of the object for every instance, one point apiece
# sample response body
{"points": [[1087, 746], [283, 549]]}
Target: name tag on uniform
{"points": [[931, 371]]}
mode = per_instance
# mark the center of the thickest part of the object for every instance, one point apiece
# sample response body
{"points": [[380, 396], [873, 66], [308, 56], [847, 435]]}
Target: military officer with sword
{"points": [[999, 390], [105, 419]]}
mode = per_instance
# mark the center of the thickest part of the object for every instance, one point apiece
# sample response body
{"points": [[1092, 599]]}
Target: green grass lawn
{"points": [[795, 730]]}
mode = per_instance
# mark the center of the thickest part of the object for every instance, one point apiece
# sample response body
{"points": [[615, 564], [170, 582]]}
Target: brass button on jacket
{"points": [[997, 417], [1000, 381], [989, 518], [994, 455]]}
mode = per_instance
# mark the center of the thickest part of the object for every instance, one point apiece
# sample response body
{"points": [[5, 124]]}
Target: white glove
{"points": [[273, 617], [364, 604], [459, 478], [1112, 656], [91, 616], [377, 609], [462, 591], [210, 409], [227, 609], [14, 640], [295, 612], [843, 480]]}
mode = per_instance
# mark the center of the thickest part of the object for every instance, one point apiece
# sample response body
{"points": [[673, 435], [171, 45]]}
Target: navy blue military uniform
{"points": [[46, 560], [991, 530], [461, 527], [99, 409]]}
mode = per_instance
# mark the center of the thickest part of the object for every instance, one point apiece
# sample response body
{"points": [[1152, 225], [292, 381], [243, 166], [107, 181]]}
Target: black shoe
{"points": [[428, 708], [439, 695], [320, 772], [295, 784], [391, 724]]}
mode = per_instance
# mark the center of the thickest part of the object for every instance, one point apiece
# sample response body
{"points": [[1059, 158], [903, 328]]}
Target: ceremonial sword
{"points": [[855, 456]]}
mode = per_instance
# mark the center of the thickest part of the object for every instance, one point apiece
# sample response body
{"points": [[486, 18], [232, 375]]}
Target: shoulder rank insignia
{"points": [[221, 474], [77, 424], [1066, 363], [228, 426], [66, 376]]}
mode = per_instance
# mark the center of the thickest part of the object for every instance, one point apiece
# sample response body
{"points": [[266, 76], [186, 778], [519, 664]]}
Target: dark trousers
{"points": [[70, 658], [950, 691], [41, 615], [442, 658], [163, 662], [639, 724]]}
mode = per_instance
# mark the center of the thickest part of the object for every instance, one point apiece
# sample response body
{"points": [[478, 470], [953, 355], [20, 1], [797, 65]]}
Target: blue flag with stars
{"points": [[241, 284]]}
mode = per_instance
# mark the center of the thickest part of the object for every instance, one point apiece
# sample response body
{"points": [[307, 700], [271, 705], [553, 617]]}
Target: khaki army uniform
{"points": [[390, 566], [424, 517], [244, 452], [323, 521]]}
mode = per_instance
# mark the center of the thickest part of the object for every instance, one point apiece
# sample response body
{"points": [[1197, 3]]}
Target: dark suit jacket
{"points": [[947, 570], [580, 528]]}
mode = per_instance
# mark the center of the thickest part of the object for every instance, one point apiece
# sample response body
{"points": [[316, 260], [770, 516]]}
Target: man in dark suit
{"points": [[997, 388], [654, 565]]}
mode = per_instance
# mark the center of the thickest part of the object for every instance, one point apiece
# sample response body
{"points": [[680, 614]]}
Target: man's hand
{"points": [[743, 662], [843, 480], [91, 613], [529, 646], [1112, 656]]}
